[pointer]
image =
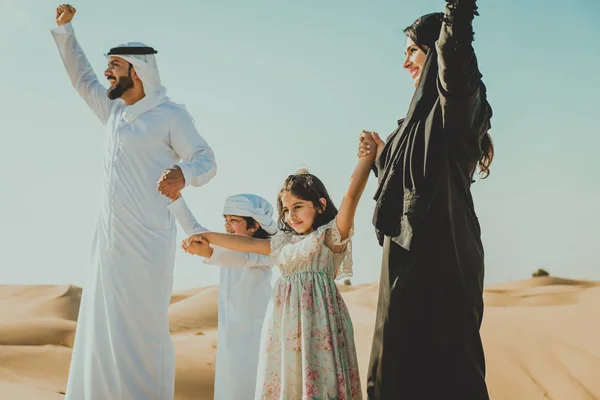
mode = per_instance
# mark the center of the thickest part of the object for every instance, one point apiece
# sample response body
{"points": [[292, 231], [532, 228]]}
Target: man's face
{"points": [[119, 75]]}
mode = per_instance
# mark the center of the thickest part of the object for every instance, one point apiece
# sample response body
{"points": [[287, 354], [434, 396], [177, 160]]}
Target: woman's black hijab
{"points": [[402, 190], [425, 31]]}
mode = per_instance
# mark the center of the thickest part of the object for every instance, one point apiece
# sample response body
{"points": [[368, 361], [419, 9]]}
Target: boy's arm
{"points": [[184, 216]]}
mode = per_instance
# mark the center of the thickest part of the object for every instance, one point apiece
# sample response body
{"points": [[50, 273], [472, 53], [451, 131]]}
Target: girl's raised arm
{"points": [[358, 181]]}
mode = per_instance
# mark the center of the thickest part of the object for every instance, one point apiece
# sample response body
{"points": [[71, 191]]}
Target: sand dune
{"points": [[195, 313], [541, 339], [26, 392], [59, 301], [540, 336], [44, 368], [37, 332]]}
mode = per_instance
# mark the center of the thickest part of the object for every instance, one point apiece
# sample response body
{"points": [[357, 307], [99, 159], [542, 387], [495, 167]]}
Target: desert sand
{"points": [[541, 338]]}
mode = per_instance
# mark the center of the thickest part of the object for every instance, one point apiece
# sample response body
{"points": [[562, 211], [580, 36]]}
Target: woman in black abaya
{"points": [[426, 343]]}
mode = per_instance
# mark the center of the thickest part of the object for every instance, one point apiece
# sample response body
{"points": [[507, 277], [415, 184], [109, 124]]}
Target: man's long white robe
{"points": [[244, 294], [123, 349]]}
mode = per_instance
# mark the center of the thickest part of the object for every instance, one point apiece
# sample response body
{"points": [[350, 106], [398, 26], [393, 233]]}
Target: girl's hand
{"points": [[196, 238], [370, 143], [364, 148], [198, 249], [367, 146]]}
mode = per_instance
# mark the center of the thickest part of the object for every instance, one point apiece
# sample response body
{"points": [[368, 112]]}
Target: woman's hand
{"points": [[370, 141]]}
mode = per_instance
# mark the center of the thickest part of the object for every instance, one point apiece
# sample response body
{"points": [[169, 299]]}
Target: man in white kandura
{"points": [[244, 290], [123, 349]]}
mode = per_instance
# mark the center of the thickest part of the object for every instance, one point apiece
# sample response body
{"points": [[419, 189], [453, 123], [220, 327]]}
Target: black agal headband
{"points": [[122, 51]]}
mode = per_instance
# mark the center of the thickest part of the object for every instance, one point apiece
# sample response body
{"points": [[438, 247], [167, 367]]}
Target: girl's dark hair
{"points": [[306, 186], [424, 32], [260, 233]]}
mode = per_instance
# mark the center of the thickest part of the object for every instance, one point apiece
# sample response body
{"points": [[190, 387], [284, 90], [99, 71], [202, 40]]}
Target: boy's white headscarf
{"points": [[146, 67], [251, 205]]}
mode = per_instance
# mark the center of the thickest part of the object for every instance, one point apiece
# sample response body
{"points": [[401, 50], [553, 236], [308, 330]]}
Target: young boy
{"points": [[244, 290]]}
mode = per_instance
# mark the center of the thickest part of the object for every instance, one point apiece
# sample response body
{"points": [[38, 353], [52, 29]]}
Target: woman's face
{"points": [[414, 61]]}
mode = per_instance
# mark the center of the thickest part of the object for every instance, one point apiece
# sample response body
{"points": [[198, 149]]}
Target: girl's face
{"points": [[299, 214], [238, 225]]}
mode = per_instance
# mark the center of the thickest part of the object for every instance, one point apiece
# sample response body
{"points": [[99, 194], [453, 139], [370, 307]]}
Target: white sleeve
{"points": [[184, 216], [80, 72], [197, 158], [342, 249], [235, 259]]}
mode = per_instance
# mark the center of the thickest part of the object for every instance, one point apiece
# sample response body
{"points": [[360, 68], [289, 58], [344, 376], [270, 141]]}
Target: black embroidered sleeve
{"points": [[465, 109], [458, 71]]}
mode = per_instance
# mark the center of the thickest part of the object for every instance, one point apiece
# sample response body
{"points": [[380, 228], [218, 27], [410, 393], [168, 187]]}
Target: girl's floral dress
{"points": [[307, 349]]}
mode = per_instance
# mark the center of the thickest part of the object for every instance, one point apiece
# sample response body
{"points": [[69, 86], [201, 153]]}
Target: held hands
{"points": [[370, 141], [198, 245], [197, 238], [171, 182], [199, 248], [64, 14]]}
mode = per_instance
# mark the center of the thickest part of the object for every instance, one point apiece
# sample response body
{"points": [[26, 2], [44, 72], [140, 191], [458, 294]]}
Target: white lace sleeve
{"points": [[278, 241], [342, 249]]}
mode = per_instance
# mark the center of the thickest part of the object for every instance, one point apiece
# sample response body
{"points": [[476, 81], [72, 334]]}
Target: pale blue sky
{"points": [[276, 86]]}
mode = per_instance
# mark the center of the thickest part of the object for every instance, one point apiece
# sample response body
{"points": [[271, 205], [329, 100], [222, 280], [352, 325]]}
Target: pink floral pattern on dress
{"points": [[308, 349]]}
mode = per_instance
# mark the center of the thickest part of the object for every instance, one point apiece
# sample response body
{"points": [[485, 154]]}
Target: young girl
{"points": [[244, 290], [307, 345]]}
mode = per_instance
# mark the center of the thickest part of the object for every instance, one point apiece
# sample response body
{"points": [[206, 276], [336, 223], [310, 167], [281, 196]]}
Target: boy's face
{"points": [[238, 225]]}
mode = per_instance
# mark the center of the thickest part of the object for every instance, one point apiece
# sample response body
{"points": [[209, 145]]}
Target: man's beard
{"points": [[124, 83]]}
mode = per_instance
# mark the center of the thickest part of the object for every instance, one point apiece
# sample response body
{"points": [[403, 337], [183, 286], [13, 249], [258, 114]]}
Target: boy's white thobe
{"points": [[244, 294]]}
